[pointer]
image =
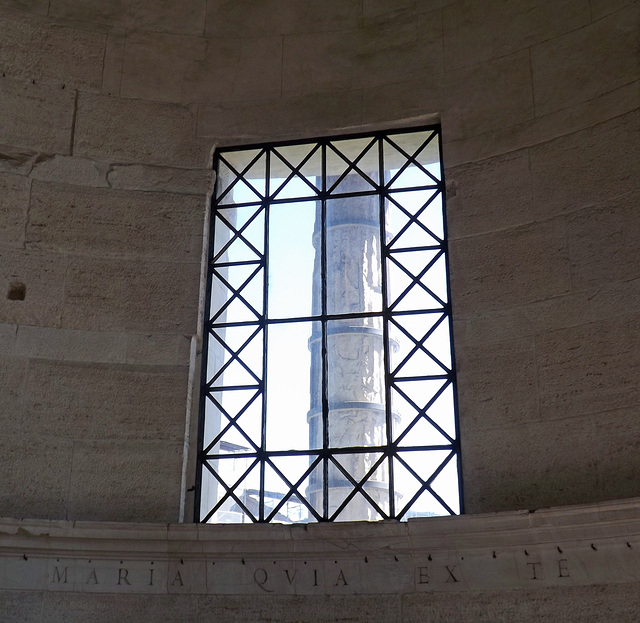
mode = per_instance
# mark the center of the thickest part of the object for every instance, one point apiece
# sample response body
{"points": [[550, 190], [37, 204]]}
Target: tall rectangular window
{"points": [[328, 387]]}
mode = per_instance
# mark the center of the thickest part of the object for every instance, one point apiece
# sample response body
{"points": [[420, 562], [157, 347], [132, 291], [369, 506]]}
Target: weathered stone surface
{"points": [[117, 295], [35, 476], [578, 117], [494, 95], [300, 116], [326, 608], [50, 53], [615, 299], [595, 59], [164, 16], [68, 170], [109, 128], [212, 70], [70, 345], [510, 267], [12, 380], [114, 223], [158, 349], [592, 604], [125, 481], [77, 608], [589, 166], [41, 116], [618, 445], [87, 401], [475, 33], [497, 384], [544, 463], [600, 8], [490, 195], [535, 318], [31, 6], [43, 275], [589, 369], [279, 17], [473, 101], [603, 242], [113, 59], [21, 606], [14, 202], [161, 179]]}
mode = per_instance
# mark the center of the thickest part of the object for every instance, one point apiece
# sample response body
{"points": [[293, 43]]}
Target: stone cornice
{"points": [[577, 545]]}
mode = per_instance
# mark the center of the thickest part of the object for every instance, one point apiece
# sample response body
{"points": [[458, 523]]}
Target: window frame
{"points": [[324, 455]]}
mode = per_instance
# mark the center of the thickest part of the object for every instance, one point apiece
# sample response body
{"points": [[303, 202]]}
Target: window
{"points": [[328, 388]]}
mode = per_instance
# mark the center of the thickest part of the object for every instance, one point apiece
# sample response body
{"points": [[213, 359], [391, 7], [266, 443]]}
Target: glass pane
{"points": [[307, 159], [355, 384], [411, 472], [354, 258], [289, 382], [360, 151], [360, 466], [293, 282], [242, 476], [285, 475], [234, 421], [239, 234]]}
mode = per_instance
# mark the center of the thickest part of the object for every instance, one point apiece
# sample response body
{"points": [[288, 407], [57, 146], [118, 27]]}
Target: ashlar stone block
{"points": [[120, 15], [14, 202], [477, 32], [244, 18], [51, 53], [588, 166], [128, 130], [114, 223], [85, 401], [591, 368], [132, 295], [125, 481], [603, 243], [41, 116], [161, 179], [40, 277], [587, 62], [511, 267]]}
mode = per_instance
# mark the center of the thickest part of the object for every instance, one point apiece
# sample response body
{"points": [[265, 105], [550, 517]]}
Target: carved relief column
{"points": [[355, 353]]}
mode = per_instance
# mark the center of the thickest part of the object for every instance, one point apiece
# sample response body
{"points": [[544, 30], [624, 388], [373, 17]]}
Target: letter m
{"points": [[60, 579]]}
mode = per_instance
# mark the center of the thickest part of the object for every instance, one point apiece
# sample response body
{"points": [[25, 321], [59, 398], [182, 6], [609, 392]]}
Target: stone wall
{"points": [[108, 115]]}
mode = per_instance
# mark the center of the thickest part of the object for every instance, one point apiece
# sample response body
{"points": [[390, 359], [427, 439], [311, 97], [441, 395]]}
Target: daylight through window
{"points": [[328, 387]]}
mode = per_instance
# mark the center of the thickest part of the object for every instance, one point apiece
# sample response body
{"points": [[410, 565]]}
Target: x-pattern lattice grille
{"points": [[328, 371]]}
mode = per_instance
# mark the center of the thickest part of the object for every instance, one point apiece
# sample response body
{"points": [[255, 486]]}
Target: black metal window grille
{"points": [[328, 384]]}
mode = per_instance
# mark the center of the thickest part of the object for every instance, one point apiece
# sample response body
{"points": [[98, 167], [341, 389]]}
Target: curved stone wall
{"points": [[108, 114]]}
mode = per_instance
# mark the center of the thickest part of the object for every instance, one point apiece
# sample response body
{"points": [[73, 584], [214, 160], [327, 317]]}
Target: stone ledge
{"points": [[566, 546]]}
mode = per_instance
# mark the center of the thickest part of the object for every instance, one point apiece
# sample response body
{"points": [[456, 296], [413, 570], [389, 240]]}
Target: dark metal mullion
{"points": [[422, 413], [237, 295], [233, 419], [324, 346], [235, 355], [413, 218], [237, 234], [265, 336], [293, 489], [419, 344], [353, 166], [230, 490], [416, 279], [240, 176], [385, 330], [296, 171], [412, 159], [358, 486]]}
